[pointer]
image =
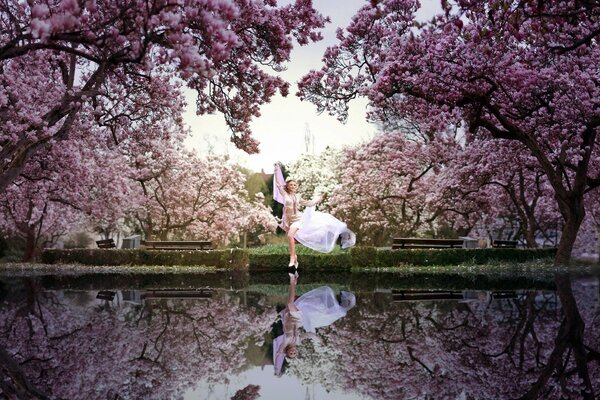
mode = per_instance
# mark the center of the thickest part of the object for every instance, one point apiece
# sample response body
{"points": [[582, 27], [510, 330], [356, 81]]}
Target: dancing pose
{"points": [[316, 230], [291, 220]]}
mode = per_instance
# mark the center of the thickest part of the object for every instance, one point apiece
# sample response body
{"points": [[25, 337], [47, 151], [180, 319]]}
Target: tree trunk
{"points": [[573, 213], [575, 332], [529, 234], [30, 246]]}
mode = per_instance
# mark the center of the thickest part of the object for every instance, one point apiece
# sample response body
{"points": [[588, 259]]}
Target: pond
{"points": [[210, 336]]}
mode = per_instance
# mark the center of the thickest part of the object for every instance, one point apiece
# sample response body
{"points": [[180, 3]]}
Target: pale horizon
{"points": [[283, 122]]}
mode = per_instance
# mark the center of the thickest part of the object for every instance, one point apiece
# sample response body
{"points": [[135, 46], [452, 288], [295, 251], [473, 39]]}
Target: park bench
{"points": [[418, 295], [106, 244], [418, 243], [177, 294], [177, 245], [107, 295], [505, 244], [504, 294]]}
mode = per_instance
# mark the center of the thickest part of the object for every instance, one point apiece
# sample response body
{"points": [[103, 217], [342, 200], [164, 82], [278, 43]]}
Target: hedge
{"points": [[233, 258], [356, 258], [363, 257]]}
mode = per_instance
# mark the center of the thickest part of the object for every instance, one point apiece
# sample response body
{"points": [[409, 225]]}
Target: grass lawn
{"points": [[282, 248]]}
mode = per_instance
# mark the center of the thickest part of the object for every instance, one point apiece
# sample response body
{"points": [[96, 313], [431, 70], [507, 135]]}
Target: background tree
{"points": [[66, 187], [188, 197], [522, 71], [386, 188], [511, 190], [81, 56]]}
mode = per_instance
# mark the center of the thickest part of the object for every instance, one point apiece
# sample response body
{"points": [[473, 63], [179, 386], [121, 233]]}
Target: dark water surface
{"points": [[207, 336]]}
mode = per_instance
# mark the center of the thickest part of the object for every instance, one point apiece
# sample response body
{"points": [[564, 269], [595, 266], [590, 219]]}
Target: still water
{"points": [[210, 336]]}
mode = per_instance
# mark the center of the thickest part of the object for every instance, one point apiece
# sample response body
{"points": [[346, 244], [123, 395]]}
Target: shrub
{"points": [[231, 259], [364, 257], [391, 258], [356, 258]]}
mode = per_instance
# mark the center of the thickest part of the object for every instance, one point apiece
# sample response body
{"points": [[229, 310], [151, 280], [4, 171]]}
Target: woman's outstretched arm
{"points": [[313, 202]]}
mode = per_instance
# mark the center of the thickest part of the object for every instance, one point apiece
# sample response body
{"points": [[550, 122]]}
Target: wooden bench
{"points": [[419, 295], [177, 294], [106, 244], [177, 245], [417, 243], [107, 295], [505, 244]]}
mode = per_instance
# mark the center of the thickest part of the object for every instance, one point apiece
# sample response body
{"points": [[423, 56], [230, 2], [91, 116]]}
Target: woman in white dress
{"points": [[316, 230]]}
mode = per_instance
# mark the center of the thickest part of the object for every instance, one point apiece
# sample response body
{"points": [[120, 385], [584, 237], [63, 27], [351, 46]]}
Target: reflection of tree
{"points": [[570, 355], [317, 363], [157, 351], [504, 349], [530, 346]]}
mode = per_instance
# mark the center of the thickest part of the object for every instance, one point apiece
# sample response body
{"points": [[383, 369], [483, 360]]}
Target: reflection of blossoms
{"points": [[480, 350], [157, 351], [317, 363], [382, 350]]}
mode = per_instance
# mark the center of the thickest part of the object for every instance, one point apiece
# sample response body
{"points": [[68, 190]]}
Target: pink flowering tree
{"points": [[196, 198], [28, 213], [81, 182], [512, 192], [387, 188], [521, 71], [255, 218], [82, 56]]}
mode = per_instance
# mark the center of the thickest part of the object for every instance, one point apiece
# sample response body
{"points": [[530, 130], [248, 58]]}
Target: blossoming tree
{"points": [[86, 56], [522, 71], [196, 198], [80, 182], [317, 173]]}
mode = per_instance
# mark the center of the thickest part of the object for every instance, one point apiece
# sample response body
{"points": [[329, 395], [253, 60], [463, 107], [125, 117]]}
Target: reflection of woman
{"points": [[312, 310], [314, 229]]}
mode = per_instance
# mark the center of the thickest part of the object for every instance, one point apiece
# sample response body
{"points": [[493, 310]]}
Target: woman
{"points": [[312, 310], [316, 230]]}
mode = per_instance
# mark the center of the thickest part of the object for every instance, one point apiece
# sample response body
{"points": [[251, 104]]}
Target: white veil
{"points": [[320, 231], [320, 307]]}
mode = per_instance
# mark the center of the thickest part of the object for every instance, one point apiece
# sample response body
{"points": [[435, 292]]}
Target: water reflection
{"points": [[211, 342], [302, 316]]}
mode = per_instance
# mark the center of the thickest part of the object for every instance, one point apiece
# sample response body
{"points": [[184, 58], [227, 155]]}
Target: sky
{"points": [[284, 122]]}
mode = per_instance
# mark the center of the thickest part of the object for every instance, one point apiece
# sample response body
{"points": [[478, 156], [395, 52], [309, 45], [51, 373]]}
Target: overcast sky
{"points": [[282, 126]]}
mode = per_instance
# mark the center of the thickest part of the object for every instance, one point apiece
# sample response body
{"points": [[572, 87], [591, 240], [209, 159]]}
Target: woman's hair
{"points": [[288, 348], [287, 184]]}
